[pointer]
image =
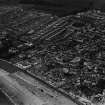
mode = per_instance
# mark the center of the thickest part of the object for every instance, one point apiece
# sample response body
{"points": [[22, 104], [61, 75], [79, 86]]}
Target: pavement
{"points": [[4, 100]]}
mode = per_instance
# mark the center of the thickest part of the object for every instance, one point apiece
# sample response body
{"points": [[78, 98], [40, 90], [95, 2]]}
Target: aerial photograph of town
{"points": [[52, 52]]}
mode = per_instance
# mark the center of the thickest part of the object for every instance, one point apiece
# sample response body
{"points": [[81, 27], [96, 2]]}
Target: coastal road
{"points": [[25, 90]]}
